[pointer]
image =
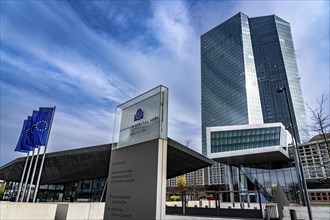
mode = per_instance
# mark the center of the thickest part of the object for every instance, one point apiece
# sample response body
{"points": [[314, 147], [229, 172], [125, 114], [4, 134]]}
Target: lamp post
{"points": [[298, 164]]}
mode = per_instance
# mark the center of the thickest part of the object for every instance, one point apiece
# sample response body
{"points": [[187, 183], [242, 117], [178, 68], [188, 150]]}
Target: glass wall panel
{"points": [[268, 177], [244, 139], [82, 190]]}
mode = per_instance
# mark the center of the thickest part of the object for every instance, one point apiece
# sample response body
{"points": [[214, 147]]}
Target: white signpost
{"points": [[137, 171]]}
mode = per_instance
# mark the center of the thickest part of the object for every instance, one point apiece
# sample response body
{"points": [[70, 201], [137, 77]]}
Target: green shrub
{"points": [[2, 189], [174, 198]]}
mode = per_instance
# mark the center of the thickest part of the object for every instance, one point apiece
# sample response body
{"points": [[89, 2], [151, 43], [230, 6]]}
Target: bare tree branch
{"points": [[320, 120]]}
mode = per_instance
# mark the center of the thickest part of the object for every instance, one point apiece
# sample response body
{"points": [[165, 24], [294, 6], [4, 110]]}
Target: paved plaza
{"points": [[187, 217]]}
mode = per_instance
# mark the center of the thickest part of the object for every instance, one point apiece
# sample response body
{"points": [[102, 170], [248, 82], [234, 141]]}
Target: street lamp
{"points": [[298, 165]]}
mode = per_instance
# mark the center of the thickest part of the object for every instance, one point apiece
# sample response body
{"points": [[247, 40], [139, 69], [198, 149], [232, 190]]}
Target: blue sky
{"points": [[86, 57]]}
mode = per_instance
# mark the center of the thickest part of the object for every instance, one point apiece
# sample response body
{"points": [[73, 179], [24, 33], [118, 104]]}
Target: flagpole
{"points": [[43, 159], [22, 178], [27, 177], [33, 173]]}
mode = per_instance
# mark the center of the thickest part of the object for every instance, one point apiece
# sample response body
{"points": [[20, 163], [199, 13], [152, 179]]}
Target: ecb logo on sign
{"points": [[138, 115]]}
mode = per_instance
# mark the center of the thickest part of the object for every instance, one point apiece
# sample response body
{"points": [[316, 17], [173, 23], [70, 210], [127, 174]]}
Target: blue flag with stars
{"points": [[28, 133], [41, 124], [22, 145], [31, 139]]}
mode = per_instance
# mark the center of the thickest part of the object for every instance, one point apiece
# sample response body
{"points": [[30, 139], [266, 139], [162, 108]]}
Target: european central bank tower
{"points": [[243, 63]]}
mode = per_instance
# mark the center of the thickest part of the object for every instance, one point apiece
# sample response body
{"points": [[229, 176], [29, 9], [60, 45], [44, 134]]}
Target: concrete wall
{"points": [[20, 210], [139, 166], [74, 211], [94, 211], [61, 211], [318, 212], [51, 211]]}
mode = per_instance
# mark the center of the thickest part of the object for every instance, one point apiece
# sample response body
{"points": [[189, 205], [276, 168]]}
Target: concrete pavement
{"points": [[187, 217]]}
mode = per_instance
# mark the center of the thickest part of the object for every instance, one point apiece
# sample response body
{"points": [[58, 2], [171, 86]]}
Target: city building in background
{"points": [[217, 174], [195, 178], [315, 158], [244, 61]]}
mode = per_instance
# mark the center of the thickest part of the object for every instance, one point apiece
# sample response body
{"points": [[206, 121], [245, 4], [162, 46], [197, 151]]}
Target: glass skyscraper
{"points": [[243, 63], [276, 67]]}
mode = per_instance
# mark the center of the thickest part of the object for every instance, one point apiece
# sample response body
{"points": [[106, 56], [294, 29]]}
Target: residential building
{"points": [[195, 178], [315, 158], [216, 174]]}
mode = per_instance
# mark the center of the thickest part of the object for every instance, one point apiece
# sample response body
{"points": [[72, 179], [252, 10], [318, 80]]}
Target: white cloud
{"points": [[171, 25], [70, 131], [93, 66], [309, 21]]}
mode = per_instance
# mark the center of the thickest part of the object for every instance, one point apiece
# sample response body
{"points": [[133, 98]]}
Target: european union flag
{"points": [[41, 125], [32, 130], [28, 133], [22, 146]]}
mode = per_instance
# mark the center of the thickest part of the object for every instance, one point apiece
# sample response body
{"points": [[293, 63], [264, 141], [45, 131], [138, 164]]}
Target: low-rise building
{"points": [[315, 159]]}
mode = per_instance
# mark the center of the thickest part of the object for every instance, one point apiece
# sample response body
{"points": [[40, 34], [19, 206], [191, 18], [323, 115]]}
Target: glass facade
{"points": [[276, 67], [227, 67], [267, 177], [251, 83], [88, 190], [234, 140], [243, 63]]}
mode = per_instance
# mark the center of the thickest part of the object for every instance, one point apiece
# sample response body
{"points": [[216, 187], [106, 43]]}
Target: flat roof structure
{"points": [[93, 162], [247, 144]]}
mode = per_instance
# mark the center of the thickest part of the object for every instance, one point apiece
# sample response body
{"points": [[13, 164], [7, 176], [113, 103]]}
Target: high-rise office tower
{"points": [[243, 63]]}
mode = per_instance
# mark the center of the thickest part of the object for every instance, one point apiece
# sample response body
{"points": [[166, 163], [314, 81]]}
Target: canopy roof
{"points": [[93, 162]]}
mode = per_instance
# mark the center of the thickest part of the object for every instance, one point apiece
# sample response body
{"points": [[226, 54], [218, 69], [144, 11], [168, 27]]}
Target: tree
{"points": [[2, 189], [320, 120], [181, 181]]}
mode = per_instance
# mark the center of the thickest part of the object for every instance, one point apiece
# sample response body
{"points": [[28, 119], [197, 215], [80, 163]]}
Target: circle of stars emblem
{"points": [[41, 125]]}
